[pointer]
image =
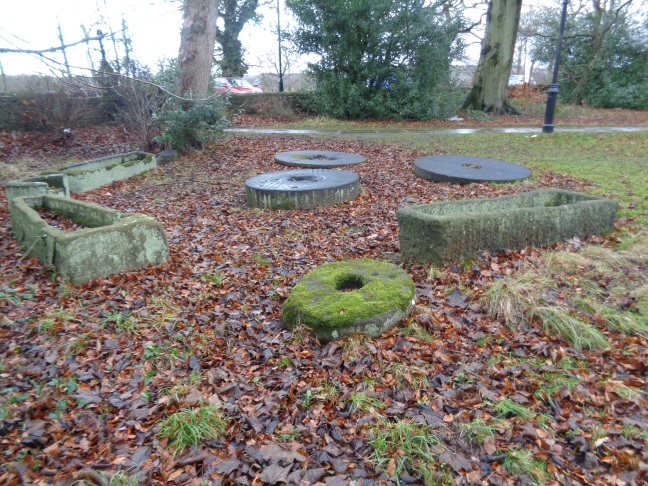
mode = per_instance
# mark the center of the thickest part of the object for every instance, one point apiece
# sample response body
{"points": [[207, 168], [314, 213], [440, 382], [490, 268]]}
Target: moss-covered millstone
{"points": [[343, 298]]}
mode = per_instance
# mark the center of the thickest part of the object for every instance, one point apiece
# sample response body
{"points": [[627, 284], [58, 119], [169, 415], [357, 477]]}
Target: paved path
{"points": [[432, 131]]}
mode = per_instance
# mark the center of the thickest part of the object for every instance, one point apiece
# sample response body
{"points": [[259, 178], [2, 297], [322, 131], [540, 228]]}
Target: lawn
{"points": [[525, 366]]}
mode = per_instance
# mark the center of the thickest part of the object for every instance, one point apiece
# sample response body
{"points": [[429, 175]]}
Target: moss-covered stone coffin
{"points": [[455, 230], [343, 298], [53, 184], [92, 174], [112, 241]]}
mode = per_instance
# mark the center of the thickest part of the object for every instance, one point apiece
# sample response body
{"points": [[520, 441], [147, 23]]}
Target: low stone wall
{"points": [[277, 104], [112, 241], [92, 174], [50, 111], [455, 230]]}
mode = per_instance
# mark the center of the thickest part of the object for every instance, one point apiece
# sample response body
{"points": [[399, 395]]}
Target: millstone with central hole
{"points": [[301, 189], [460, 169], [343, 298], [318, 159]]}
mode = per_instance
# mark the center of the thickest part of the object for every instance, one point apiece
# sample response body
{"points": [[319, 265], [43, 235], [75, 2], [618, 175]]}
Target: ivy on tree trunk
{"points": [[235, 14]]}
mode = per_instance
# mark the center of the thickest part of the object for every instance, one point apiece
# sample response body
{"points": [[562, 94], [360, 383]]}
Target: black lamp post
{"points": [[552, 91], [279, 39]]}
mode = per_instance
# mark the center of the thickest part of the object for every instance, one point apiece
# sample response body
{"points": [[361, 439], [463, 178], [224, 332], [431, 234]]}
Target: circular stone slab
{"points": [[301, 189], [318, 159], [343, 298], [464, 170]]}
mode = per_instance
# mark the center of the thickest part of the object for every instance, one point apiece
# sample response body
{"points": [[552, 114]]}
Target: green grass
{"points": [[520, 462], [553, 382], [508, 407], [125, 323], [215, 278], [417, 331], [98, 478], [412, 446], [631, 432], [558, 320], [189, 427], [409, 376], [327, 392], [363, 402], [507, 299], [478, 430], [624, 322], [352, 347]]}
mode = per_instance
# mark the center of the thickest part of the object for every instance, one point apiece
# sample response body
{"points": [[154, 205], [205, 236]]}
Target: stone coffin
{"points": [[455, 230], [112, 241], [92, 174]]}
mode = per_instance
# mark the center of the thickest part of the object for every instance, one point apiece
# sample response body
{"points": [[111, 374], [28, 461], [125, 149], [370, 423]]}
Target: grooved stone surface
{"points": [[452, 231], [301, 189], [318, 159], [462, 169]]}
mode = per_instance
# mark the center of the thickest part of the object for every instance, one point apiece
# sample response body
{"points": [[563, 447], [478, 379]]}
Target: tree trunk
{"points": [[490, 89], [196, 55], [235, 14]]}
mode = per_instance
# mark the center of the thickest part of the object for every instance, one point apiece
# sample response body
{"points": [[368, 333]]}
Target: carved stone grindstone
{"points": [[461, 169], [344, 298], [301, 189], [318, 159]]}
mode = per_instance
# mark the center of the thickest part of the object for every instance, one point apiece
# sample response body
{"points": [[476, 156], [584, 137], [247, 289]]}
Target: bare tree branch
{"points": [[6, 50]]}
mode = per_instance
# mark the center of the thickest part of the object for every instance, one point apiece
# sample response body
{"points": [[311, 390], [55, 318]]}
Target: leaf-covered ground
{"points": [[88, 373]]}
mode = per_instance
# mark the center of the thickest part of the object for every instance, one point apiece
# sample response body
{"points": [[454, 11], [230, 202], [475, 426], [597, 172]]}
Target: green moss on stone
{"points": [[283, 206], [317, 302]]}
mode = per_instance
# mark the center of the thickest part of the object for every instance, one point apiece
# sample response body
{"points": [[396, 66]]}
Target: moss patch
{"points": [[342, 298]]}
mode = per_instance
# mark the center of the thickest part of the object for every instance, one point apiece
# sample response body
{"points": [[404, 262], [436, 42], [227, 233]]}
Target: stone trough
{"points": [[52, 184], [301, 189], [110, 243], [92, 174], [455, 230]]}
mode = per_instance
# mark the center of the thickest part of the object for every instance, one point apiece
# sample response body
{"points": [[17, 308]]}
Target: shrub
{"points": [[190, 124]]}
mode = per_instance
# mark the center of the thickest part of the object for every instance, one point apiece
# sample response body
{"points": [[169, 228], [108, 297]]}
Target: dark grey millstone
{"points": [[452, 231], [167, 156], [318, 159], [462, 169], [301, 189], [381, 296]]}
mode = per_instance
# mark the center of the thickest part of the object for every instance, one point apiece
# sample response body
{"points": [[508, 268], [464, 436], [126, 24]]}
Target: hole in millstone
{"points": [[303, 179], [472, 166], [313, 157], [349, 283]]}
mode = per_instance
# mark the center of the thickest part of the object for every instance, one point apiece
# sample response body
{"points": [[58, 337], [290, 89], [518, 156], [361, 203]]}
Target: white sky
{"points": [[154, 27]]}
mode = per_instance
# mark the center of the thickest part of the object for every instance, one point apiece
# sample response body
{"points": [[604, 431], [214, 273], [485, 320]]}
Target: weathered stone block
{"points": [[112, 241], [38, 186], [455, 230], [92, 174]]}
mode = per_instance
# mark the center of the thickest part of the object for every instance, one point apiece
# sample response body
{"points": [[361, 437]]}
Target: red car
{"points": [[236, 86]]}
